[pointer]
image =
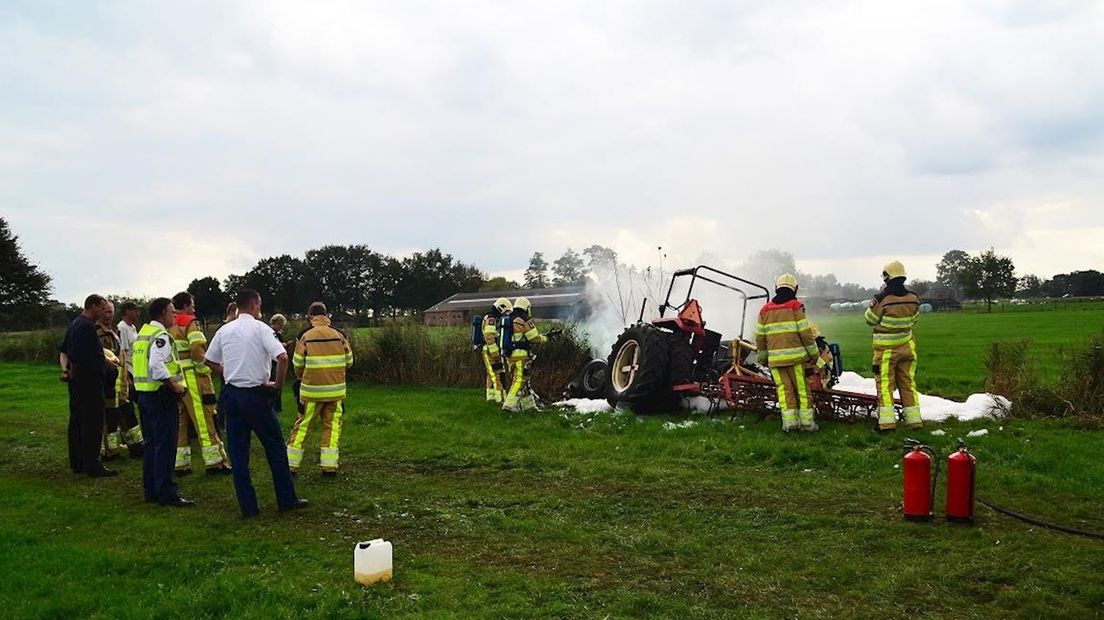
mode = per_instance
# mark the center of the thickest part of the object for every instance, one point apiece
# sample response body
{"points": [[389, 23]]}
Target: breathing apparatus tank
{"points": [[477, 332]]}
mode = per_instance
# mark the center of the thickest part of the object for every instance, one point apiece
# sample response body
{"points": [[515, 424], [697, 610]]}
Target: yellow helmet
{"points": [[521, 303], [503, 305], [893, 270], [786, 280], [813, 328]]}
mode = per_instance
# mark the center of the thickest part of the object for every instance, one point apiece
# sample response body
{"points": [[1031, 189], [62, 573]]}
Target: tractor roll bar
{"points": [[694, 274]]}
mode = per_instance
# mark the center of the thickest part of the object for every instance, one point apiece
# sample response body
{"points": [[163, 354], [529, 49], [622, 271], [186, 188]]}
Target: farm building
{"points": [[565, 303]]}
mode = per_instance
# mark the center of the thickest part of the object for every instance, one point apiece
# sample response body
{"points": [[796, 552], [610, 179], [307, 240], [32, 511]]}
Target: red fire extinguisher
{"points": [[920, 469], [960, 485]]}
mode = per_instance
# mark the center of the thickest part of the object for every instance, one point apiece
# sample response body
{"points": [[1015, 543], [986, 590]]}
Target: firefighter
{"points": [[821, 367], [492, 355], [197, 408], [322, 355], [892, 313], [523, 335], [786, 344], [117, 394]]}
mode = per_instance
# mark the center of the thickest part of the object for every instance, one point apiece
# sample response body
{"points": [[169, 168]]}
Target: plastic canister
{"points": [[372, 561]]}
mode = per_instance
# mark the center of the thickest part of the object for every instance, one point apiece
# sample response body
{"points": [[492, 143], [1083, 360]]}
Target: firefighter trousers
{"points": [[495, 372], [520, 397], [197, 408], [794, 397], [329, 414], [895, 370]]}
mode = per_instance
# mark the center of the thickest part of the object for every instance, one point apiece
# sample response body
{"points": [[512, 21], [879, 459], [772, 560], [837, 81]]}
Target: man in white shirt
{"points": [[128, 333], [242, 351]]}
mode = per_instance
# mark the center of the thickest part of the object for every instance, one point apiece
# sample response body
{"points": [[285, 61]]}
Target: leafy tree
{"points": [[24, 288], [1086, 283], [499, 283], [334, 278], [989, 277], [951, 271], [284, 283], [1029, 286], [921, 287], [600, 258], [536, 276], [1058, 286], [210, 301], [765, 266], [569, 269], [428, 277]]}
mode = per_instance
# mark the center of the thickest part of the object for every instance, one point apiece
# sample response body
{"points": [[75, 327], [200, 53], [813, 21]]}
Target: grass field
{"points": [[952, 346], [552, 515]]}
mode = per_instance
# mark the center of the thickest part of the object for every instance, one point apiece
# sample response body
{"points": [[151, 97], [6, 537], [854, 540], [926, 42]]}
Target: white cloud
{"points": [[844, 133]]}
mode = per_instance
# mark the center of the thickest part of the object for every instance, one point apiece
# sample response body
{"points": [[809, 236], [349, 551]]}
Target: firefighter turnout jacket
{"points": [[322, 355], [784, 336]]}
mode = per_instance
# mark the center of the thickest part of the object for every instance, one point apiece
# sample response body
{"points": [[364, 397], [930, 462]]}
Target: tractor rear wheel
{"points": [[639, 373]]}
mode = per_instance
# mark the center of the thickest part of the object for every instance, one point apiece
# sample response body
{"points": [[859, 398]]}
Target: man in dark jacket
{"points": [[84, 370]]}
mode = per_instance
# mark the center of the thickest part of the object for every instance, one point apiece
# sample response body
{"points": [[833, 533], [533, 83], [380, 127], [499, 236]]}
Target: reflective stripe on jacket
{"points": [[142, 380], [783, 334], [525, 334], [322, 355], [892, 317]]}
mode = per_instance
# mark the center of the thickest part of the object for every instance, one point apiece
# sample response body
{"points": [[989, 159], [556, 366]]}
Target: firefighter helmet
{"points": [[786, 280], [893, 270], [521, 303], [503, 305], [813, 328]]}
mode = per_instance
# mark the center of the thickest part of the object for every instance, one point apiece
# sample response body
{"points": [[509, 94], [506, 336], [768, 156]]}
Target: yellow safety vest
{"points": [[142, 380]]}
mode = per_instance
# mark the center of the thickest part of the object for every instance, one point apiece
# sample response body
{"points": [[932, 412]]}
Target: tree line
{"points": [[367, 286]]}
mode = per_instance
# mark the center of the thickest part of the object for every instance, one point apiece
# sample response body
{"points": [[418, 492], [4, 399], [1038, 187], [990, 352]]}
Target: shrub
{"points": [[1012, 371]]}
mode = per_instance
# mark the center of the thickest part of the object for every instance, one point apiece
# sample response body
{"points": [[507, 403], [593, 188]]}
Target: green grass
{"points": [[551, 515], [952, 346]]}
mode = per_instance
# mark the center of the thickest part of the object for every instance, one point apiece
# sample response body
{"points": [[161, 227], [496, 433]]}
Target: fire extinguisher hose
{"points": [[1040, 522]]}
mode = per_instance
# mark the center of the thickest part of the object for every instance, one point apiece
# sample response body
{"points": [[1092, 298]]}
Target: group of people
{"points": [[508, 338], [166, 367], [789, 345]]}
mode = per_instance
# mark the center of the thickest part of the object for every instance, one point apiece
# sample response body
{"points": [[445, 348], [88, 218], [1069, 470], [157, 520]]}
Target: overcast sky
{"points": [[143, 144]]}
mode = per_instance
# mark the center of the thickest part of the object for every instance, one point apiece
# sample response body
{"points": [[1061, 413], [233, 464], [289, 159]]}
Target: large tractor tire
{"points": [[639, 370]]}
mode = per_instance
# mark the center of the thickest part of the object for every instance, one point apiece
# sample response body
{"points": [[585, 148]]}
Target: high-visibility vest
{"points": [[142, 380]]}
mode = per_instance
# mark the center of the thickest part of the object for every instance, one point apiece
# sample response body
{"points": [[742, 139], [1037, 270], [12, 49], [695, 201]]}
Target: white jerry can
{"points": [[372, 561]]}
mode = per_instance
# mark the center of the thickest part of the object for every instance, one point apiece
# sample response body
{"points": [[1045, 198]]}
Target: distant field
{"points": [[952, 345], [557, 515]]}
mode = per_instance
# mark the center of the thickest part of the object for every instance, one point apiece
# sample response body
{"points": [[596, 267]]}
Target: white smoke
{"points": [[617, 293]]}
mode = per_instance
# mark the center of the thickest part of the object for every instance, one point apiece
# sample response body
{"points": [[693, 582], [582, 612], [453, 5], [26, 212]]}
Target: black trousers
{"points": [[249, 411], [159, 428], [86, 423]]}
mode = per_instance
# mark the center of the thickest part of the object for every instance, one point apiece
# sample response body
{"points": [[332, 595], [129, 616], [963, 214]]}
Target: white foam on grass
{"points": [[934, 408], [586, 405]]}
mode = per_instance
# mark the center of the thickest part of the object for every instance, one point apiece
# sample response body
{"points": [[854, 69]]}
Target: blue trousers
{"points": [[250, 411], [159, 429]]}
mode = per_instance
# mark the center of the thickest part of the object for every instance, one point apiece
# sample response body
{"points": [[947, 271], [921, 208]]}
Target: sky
{"points": [[144, 144]]}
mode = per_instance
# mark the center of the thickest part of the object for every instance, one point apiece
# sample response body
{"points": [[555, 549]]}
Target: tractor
{"points": [[654, 365]]}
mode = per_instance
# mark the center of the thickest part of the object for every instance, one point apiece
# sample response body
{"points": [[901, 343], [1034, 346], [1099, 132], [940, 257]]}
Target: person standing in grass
{"points": [[117, 393], [128, 333], [322, 355], [278, 322], [83, 369], [523, 336], [492, 355], [242, 351], [784, 338], [893, 313], [198, 408], [159, 381]]}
